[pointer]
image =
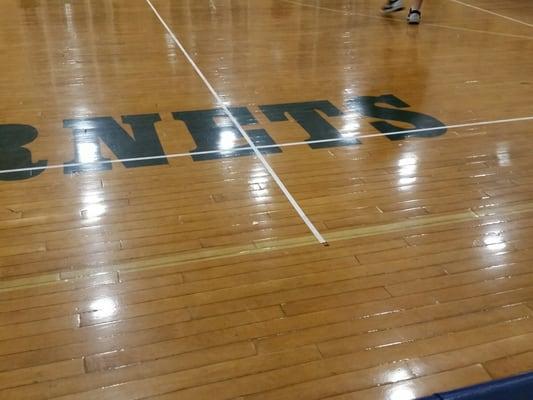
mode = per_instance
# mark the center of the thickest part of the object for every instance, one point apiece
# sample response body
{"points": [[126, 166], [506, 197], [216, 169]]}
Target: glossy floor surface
{"points": [[143, 255]]}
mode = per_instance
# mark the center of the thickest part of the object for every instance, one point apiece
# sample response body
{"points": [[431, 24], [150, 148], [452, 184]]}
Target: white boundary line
{"points": [[269, 146], [493, 13], [260, 156]]}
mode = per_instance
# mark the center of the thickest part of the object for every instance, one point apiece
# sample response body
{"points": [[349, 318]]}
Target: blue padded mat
{"points": [[515, 388]]}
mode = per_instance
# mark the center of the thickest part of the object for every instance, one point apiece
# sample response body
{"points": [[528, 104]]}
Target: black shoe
{"points": [[392, 6]]}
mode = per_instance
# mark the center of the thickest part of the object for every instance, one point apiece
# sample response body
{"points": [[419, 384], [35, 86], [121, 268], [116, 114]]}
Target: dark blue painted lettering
{"points": [[14, 156], [90, 131], [306, 115], [367, 106], [213, 130]]}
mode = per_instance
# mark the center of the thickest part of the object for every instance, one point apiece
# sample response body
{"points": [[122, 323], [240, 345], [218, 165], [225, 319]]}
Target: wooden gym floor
{"points": [[173, 277]]}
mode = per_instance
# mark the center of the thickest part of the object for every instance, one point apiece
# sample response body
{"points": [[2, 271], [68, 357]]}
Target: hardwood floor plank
{"points": [[509, 365]]}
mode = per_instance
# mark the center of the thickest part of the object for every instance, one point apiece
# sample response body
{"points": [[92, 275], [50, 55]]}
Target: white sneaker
{"points": [[392, 6], [413, 17]]}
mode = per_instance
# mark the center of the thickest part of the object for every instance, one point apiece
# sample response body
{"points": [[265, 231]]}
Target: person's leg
{"points": [[416, 4], [414, 12]]}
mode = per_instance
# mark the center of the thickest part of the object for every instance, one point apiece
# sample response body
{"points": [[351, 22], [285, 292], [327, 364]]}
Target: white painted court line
{"points": [[456, 28], [493, 13], [261, 147], [260, 156]]}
